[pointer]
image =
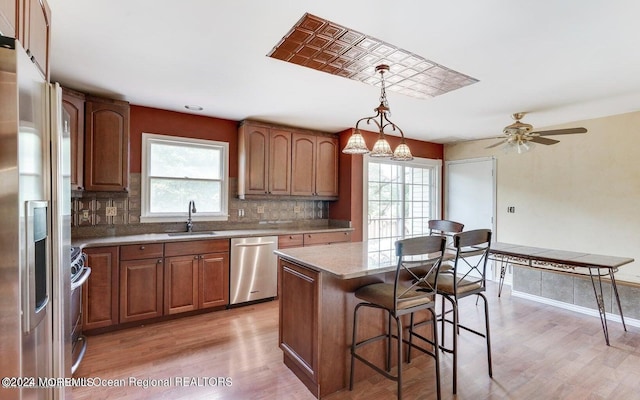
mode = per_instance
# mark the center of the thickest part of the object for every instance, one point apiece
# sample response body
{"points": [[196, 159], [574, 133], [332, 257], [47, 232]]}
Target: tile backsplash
{"points": [[89, 214]]}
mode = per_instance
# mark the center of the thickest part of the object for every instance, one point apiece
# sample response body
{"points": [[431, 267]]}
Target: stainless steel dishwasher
{"points": [[254, 269]]}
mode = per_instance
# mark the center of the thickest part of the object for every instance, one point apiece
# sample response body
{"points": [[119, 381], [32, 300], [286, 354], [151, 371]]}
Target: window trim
{"points": [[147, 140], [417, 161]]}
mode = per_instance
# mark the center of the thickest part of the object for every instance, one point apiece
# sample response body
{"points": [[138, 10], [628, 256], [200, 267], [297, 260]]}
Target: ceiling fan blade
{"points": [[496, 144], [560, 131], [541, 140]]}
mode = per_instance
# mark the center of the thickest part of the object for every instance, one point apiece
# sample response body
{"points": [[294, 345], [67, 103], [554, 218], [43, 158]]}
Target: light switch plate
{"points": [[260, 210], [297, 209], [111, 211]]}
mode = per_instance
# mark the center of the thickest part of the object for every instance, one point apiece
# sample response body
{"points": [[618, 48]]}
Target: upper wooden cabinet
{"points": [[314, 165], [106, 150], [265, 165], [284, 161], [73, 108], [327, 154], [29, 21], [8, 17], [35, 28]]}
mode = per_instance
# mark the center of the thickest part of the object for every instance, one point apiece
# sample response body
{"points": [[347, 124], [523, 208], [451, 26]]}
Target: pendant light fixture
{"points": [[381, 148]]}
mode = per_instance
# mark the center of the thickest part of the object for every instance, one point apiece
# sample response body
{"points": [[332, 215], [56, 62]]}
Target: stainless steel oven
{"points": [[79, 274]]}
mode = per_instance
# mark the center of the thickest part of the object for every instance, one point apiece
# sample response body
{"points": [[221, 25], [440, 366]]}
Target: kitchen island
{"points": [[316, 286]]}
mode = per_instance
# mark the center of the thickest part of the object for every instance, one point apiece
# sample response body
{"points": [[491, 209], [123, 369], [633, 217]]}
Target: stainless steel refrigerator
{"points": [[34, 230]]}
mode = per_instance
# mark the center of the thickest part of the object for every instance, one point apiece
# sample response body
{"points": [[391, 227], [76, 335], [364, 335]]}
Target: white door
{"points": [[471, 195]]}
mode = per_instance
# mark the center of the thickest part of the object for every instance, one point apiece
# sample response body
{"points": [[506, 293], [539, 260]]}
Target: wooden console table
{"points": [[593, 265]]}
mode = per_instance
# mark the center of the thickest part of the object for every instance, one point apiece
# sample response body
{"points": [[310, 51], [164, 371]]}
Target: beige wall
{"points": [[582, 194]]}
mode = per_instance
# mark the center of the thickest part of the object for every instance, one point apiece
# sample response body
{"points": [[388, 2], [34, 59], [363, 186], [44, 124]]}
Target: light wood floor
{"points": [[539, 352]]}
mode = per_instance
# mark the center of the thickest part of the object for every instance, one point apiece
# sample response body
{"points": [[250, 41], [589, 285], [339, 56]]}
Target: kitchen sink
{"points": [[191, 233]]}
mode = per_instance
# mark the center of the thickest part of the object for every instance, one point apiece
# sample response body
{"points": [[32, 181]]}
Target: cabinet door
{"points": [[279, 162], [181, 284], [256, 156], [326, 178], [303, 161], [298, 328], [73, 105], [214, 280], [8, 15], [37, 33], [100, 293], [140, 289], [106, 145]]}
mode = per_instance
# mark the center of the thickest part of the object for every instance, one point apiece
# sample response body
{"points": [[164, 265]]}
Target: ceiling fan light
{"points": [[402, 153], [381, 148], [356, 144]]}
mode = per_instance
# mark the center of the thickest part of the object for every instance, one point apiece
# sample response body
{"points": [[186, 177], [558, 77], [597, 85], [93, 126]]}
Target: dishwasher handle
{"points": [[253, 244]]}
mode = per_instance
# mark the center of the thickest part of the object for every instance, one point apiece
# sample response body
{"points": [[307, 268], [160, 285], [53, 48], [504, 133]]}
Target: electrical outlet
{"points": [[85, 215], [511, 209], [111, 211], [297, 209], [260, 210], [240, 212]]}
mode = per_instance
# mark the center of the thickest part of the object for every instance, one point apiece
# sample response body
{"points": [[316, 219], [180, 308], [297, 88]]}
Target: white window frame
{"points": [[146, 216], [436, 195]]}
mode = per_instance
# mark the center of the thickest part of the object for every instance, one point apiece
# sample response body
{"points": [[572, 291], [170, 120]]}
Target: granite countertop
{"points": [[221, 234], [344, 260]]}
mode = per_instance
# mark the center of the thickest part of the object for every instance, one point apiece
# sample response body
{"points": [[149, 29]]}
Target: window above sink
{"points": [[176, 170]]}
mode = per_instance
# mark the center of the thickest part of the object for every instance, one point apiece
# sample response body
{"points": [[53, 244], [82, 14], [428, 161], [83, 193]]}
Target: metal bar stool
{"points": [[419, 261], [468, 277]]}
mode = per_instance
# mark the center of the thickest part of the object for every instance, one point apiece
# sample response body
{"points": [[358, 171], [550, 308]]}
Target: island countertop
{"points": [[344, 260]]}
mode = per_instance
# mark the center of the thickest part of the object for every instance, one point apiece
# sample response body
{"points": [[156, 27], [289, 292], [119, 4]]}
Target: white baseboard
{"points": [[573, 307]]}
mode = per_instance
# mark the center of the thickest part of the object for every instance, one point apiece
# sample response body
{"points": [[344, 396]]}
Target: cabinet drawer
{"points": [[311, 239], [141, 251], [285, 241], [196, 247]]}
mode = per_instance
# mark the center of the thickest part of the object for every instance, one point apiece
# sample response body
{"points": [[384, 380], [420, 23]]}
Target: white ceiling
{"points": [[562, 61]]}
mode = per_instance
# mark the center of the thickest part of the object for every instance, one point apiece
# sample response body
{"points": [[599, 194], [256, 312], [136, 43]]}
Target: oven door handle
{"points": [[86, 271]]}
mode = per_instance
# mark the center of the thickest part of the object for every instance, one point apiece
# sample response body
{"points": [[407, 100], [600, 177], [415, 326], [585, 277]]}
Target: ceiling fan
{"points": [[519, 134]]}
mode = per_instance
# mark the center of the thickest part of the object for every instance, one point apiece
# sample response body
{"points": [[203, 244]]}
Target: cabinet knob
{"points": [[159, 261], [141, 247], [195, 257]]}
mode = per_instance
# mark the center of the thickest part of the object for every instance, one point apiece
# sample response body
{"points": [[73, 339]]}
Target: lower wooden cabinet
{"points": [[196, 281], [141, 289], [100, 293], [298, 327], [214, 280], [181, 284]]}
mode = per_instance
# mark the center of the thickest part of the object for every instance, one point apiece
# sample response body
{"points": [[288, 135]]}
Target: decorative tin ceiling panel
{"points": [[325, 46]]}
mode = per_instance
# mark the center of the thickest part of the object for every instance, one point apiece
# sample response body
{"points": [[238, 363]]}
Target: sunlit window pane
{"points": [[169, 195], [184, 161]]}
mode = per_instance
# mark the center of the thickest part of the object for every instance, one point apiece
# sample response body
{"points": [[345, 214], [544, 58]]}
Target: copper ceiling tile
{"points": [[325, 46]]}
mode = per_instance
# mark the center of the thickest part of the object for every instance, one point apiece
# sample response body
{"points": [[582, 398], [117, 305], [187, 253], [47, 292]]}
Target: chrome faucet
{"points": [[192, 209]]}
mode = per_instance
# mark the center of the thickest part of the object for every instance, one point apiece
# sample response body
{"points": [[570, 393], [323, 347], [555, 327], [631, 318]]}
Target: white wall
{"points": [[582, 194]]}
